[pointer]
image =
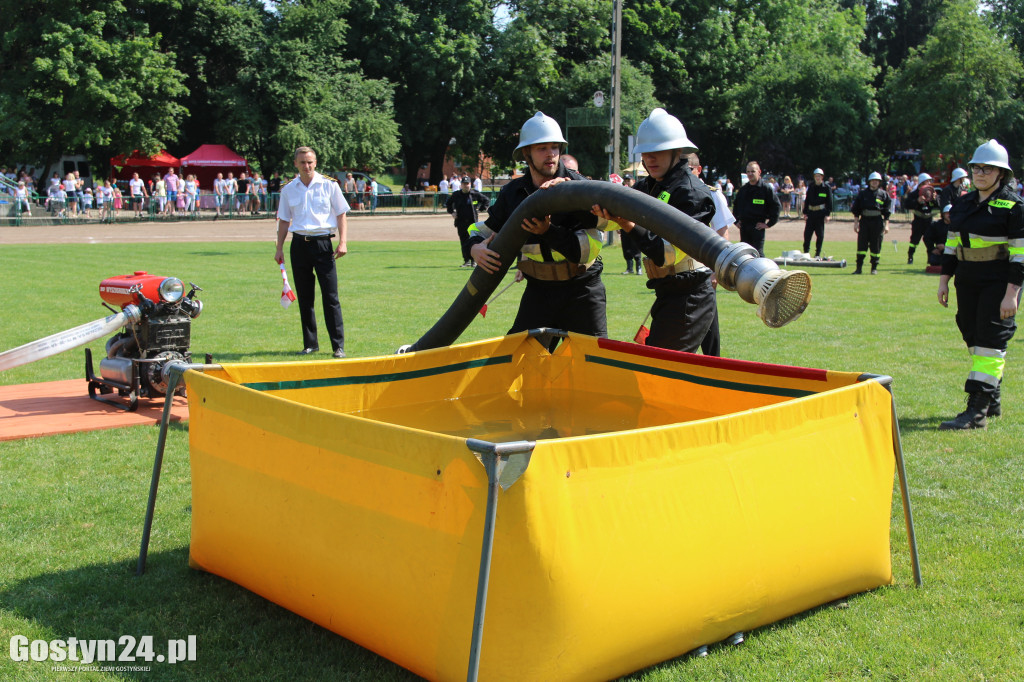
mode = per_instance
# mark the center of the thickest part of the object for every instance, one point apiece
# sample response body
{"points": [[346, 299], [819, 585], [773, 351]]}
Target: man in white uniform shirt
{"points": [[311, 208]]}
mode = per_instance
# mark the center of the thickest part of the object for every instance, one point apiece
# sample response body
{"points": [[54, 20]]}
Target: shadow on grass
{"points": [[908, 424], [239, 635], [672, 665], [256, 355]]}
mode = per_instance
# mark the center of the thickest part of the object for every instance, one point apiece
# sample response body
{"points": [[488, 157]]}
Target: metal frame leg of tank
{"points": [[505, 463], [901, 470]]}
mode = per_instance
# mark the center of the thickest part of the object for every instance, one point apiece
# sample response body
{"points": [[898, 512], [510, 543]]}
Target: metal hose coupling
{"points": [[781, 296]]}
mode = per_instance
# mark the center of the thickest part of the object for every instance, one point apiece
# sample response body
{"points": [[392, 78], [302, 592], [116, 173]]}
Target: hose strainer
{"points": [[782, 296]]}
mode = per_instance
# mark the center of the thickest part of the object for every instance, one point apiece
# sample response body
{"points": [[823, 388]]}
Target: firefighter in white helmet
{"points": [[817, 211], [560, 260], [953, 191], [985, 254], [870, 221], [923, 204], [684, 309]]}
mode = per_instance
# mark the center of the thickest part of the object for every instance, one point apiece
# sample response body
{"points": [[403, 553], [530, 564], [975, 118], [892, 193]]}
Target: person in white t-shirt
{"points": [[478, 184], [71, 189], [191, 194], [21, 197], [137, 188], [312, 207], [219, 194], [360, 191]]}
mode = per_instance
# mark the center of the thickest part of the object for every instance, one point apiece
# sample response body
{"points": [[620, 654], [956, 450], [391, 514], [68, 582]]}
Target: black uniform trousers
{"points": [[631, 251], [869, 238], [575, 305], [918, 230], [936, 235], [683, 313], [814, 227], [980, 288], [313, 260], [751, 235], [463, 230]]}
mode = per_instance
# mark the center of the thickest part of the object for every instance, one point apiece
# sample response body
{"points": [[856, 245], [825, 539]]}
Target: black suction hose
{"points": [[693, 237]]}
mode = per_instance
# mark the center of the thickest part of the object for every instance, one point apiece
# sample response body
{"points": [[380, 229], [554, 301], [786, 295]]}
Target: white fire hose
{"points": [[66, 340]]}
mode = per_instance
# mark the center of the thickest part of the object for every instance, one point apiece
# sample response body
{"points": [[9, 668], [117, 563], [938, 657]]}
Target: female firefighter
{"points": [[985, 253]]}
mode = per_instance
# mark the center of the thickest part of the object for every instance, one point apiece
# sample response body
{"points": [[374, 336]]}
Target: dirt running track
{"points": [[411, 228]]}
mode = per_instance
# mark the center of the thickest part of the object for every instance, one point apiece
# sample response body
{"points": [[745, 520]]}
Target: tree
{"points": [[588, 144], [435, 53], [699, 53], [83, 78], [960, 88], [809, 102]]}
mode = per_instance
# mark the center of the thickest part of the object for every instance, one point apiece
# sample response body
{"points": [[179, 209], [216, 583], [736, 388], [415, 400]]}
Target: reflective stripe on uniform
{"points": [[590, 248], [987, 365], [480, 229], [1016, 247], [590, 245]]}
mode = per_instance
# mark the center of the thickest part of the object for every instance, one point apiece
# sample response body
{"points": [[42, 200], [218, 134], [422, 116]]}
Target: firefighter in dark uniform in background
{"points": [[685, 307], [756, 208], [938, 230], [870, 221], [817, 211], [985, 254], [560, 260], [924, 206], [951, 192], [465, 205]]}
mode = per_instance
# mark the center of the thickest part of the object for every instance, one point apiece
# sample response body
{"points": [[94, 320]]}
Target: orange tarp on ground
{"points": [[52, 407]]}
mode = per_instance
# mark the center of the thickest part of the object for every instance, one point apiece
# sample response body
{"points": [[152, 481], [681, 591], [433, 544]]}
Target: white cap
{"points": [[818, 171], [874, 176]]}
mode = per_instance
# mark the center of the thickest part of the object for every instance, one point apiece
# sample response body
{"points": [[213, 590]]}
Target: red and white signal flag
{"points": [[287, 295]]}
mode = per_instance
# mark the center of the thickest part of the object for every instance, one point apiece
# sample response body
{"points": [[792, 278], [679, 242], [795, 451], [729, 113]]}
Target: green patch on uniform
{"points": [[823, 196], [1001, 203], [757, 201], [664, 196]]}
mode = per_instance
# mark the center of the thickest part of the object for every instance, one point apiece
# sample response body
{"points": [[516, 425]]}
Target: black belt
{"points": [[312, 238]]}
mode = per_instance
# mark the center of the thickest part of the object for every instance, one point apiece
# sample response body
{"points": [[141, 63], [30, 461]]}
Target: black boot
{"points": [[860, 266], [971, 418], [874, 266], [995, 407], [910, 255]]}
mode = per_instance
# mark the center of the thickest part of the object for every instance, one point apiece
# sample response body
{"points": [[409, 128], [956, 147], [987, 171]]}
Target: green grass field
{"points": [[71, 507]]}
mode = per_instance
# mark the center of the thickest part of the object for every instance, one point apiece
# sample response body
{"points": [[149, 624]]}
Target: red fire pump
{"points": [[156, 332]]}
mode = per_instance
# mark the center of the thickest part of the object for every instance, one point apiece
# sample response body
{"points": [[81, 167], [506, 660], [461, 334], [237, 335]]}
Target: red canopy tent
{"points": [[125, 164], [210, 159]]}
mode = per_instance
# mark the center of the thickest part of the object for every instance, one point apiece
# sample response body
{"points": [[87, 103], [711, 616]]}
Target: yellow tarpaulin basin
{"points": [[669, 500]]}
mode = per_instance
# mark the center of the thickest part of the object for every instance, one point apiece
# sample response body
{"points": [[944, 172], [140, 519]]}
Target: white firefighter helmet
{"points": [[875, 176], [818, 171], [992, 154], [923, 177], [660, 131], [958, 174], [539, 128]]}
